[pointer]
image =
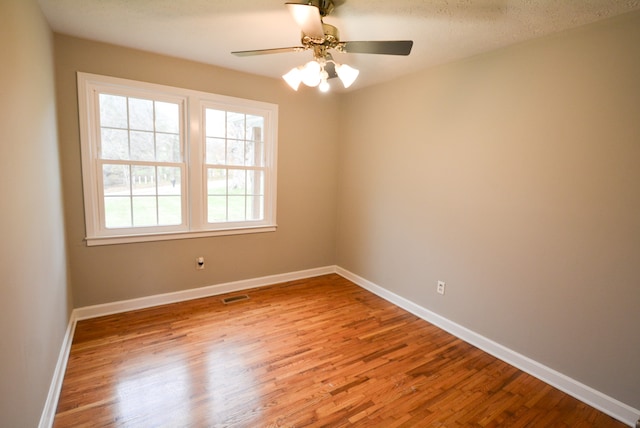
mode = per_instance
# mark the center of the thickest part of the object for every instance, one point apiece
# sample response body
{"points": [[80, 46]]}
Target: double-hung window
{"points": [[165, 163]]}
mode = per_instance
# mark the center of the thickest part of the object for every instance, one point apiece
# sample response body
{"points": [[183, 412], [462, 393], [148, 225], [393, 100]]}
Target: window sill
{"points": [[127, 239]]}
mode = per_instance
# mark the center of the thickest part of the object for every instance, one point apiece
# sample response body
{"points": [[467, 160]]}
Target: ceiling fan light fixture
{"points": [[293, 78], [347, 74]]}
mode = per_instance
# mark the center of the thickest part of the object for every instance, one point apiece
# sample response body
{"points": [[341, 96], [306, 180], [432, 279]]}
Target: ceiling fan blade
{"points": [[390, 47], [308, 19], [268, 51]]}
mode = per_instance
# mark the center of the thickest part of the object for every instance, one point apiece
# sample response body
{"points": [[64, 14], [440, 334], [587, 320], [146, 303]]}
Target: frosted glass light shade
{"points": [[324, 86], [346, 74], [311, 74], [293, 78]]}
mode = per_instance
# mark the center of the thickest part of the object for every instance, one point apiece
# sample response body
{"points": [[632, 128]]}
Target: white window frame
{"points": [[193, 143]]}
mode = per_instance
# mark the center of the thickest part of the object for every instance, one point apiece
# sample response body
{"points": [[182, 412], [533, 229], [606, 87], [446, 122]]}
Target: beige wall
{"points": [[513, 176], [34, 300], [307, 174]]}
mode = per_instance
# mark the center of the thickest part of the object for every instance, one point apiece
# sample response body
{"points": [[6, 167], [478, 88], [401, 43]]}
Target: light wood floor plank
{"points": [[317, 352]]}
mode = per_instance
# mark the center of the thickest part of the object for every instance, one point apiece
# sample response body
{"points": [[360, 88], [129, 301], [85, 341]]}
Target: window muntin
{"points": [[165, 163]]}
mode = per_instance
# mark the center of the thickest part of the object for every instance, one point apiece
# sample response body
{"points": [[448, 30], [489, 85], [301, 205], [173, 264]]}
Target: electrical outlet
{"points": [[440, 288], [199, 263]]}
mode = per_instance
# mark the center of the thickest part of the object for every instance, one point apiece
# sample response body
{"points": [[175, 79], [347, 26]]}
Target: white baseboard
{"points": [[195, 293], [612, 407], [584, 393], [50, 406]]}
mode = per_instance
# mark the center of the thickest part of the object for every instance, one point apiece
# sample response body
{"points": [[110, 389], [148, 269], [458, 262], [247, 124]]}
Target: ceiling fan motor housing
{"points": [[330, 39]]}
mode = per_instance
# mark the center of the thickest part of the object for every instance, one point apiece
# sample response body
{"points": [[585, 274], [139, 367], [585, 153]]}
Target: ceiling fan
{"points": [[321, 37]]}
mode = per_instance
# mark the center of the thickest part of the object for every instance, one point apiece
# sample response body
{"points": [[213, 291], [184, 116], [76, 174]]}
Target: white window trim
{"points": [[194, 208]]}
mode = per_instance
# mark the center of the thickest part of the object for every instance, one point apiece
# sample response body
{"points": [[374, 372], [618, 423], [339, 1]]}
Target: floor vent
{"points": [[233, 299]]}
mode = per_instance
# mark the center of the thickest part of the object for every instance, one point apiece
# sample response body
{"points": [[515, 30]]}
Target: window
{"points": [[165, 163], [235, 165]]}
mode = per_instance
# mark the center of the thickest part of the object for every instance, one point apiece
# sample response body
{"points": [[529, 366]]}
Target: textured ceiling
{"points": [[208, 30]]}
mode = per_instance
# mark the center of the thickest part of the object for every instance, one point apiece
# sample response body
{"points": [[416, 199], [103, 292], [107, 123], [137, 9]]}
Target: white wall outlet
{"points": [[199, 263], [440, 288]]}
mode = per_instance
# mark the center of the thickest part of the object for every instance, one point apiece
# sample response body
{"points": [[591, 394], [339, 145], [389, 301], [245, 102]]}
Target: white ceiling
{"points": [[208, 30]]}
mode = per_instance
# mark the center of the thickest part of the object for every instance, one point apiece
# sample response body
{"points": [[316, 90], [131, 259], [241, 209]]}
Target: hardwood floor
{"points": [[315, 352]]}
